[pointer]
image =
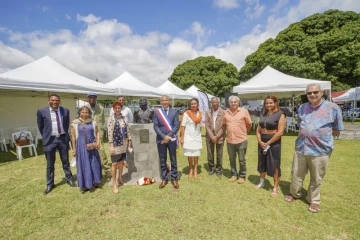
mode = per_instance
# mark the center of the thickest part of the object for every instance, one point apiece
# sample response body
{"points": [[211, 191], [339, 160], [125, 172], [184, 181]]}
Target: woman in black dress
{"points": [[269, 131]]}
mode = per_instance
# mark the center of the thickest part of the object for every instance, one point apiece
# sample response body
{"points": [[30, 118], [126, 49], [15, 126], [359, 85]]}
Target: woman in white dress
{"points": [[191, 136]]}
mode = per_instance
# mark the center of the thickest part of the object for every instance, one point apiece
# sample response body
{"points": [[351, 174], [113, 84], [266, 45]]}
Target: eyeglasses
{"points": [[314, 92]]}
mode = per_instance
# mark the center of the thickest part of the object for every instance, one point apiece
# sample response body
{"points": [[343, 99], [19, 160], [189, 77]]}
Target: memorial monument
{"points": [[143, 161], [144, 115]]}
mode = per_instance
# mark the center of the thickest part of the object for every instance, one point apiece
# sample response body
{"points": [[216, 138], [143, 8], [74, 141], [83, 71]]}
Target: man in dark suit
{"points": [[53, 123], [166, 125]]}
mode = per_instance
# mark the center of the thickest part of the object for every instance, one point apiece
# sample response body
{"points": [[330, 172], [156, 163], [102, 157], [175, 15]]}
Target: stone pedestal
{"points": [[144, 160]]}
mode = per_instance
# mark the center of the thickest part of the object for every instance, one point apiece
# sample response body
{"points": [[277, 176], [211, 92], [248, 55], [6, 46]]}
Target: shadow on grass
{"points": [[255, 179]]}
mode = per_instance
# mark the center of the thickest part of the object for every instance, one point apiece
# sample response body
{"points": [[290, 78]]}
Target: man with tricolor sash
{"points": [[166, 126]]}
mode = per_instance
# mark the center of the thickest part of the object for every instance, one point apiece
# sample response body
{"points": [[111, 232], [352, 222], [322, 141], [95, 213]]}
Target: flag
{"points": [[203, 104]]}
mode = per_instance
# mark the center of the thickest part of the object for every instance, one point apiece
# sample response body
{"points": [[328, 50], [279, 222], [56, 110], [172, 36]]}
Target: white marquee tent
{"points": [[353, 94], [270, 81], [25, 89], [173, 91], [193, 91], [47, 75], [128, 85]]}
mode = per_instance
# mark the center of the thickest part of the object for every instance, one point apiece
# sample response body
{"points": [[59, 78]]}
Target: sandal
{"points": [[289, 198], [314, 208], [275, 192]]}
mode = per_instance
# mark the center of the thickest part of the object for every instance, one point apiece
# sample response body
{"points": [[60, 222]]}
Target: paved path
{"points": [[350, 132]]}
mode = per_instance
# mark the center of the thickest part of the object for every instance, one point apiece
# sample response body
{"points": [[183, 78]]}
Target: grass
{"points": [[209, 208]]}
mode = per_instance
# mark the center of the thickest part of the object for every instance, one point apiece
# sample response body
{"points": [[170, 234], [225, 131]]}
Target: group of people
{"points": [[318, 121]]}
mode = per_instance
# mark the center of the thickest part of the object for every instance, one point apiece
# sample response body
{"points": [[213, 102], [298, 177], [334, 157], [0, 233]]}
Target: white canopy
{"points": [[350, 95], [173, 91], [193, 92], [271, 81], [47, 75], [128, 85]]}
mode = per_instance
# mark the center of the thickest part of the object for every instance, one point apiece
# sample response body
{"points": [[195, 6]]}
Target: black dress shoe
{"points": [[48, 189], [211, 172], [163, 184], [175, 184], [71, 183]]}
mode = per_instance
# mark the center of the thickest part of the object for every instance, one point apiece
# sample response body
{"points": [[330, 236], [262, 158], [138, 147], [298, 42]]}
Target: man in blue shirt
{"points": [[318, 121]]}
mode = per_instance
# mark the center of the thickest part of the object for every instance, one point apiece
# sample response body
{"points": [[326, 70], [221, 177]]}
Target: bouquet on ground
{"points": [[145, 181]]}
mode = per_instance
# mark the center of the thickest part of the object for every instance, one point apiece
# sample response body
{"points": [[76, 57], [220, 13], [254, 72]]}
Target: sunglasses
{"points": [[314, 92]]}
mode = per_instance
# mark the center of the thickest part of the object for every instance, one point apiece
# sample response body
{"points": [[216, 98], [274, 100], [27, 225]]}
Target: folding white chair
{"points": [[22, 129], [290, 124], [37, 135], [2, 141], [6, 136], [31, 145], [254, 120]]}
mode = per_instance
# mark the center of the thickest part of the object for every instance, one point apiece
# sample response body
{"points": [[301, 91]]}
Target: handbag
{"points": [[89, 146], [22, 140]]}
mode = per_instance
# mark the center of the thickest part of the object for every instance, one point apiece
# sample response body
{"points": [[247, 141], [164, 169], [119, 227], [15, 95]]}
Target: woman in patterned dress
{"points": [[119, 142]]}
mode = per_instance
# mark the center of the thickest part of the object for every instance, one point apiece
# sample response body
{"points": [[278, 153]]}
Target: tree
{"points": [[323, 47], [209, 74]]}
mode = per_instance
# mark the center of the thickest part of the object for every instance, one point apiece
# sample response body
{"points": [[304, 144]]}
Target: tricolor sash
{"points": [[166, 121]]}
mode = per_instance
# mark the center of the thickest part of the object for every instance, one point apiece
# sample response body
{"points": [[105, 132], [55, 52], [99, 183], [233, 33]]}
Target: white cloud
{"points": [[44, 8], [91, 18], [254, 9], [279, 5], [67, 17], [201, 33], [12, 58], [180, 50], [226, 4], [106, 28]]}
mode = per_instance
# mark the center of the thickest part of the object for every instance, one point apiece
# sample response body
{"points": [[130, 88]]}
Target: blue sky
{"points": [[102, 39]]}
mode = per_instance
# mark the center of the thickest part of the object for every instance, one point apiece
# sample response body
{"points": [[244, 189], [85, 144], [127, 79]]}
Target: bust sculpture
{"points": [[144, 114]]}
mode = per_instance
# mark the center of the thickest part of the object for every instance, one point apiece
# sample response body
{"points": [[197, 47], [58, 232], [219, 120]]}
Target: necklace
{"points": [[266, 118]]}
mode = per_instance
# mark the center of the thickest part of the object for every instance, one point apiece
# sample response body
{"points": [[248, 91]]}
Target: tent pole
{"points": [[293, 106]]}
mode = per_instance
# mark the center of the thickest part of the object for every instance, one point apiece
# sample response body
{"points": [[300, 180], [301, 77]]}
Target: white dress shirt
{"points": [[215, 113], [126, 112], [54, 127]]}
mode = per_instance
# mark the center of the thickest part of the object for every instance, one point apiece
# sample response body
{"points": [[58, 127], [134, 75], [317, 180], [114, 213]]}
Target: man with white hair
{"points": [[215, 131], [318, 121], [238, 124]]}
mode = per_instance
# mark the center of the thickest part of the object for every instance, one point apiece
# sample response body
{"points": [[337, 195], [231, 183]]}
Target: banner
{"points": [[203, 104]]}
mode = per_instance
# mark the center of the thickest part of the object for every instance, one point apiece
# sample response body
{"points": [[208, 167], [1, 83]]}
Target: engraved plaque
{"points": [[144, 136]]}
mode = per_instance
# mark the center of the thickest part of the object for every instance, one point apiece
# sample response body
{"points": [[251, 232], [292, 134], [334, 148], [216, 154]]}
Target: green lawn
{"points": [[209, 208]]}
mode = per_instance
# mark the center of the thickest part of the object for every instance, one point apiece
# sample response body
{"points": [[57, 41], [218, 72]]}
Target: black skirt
{"points": [[118, 157], [271, 160]]}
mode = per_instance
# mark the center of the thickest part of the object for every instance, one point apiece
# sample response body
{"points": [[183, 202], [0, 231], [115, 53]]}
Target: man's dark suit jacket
{"points": [[160, 128], [45, 125]]}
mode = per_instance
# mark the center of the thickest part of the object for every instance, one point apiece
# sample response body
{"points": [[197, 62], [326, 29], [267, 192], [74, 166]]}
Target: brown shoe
{"points": [[163, 184], [241, 180], [233, 179], [175, 184]]}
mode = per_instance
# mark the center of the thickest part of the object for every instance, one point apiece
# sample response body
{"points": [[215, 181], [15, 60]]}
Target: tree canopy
{"points": [[323, 47], [209, 74]]}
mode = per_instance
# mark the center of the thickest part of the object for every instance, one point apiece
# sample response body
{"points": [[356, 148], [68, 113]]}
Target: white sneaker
{"points": [[260, 185]]}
